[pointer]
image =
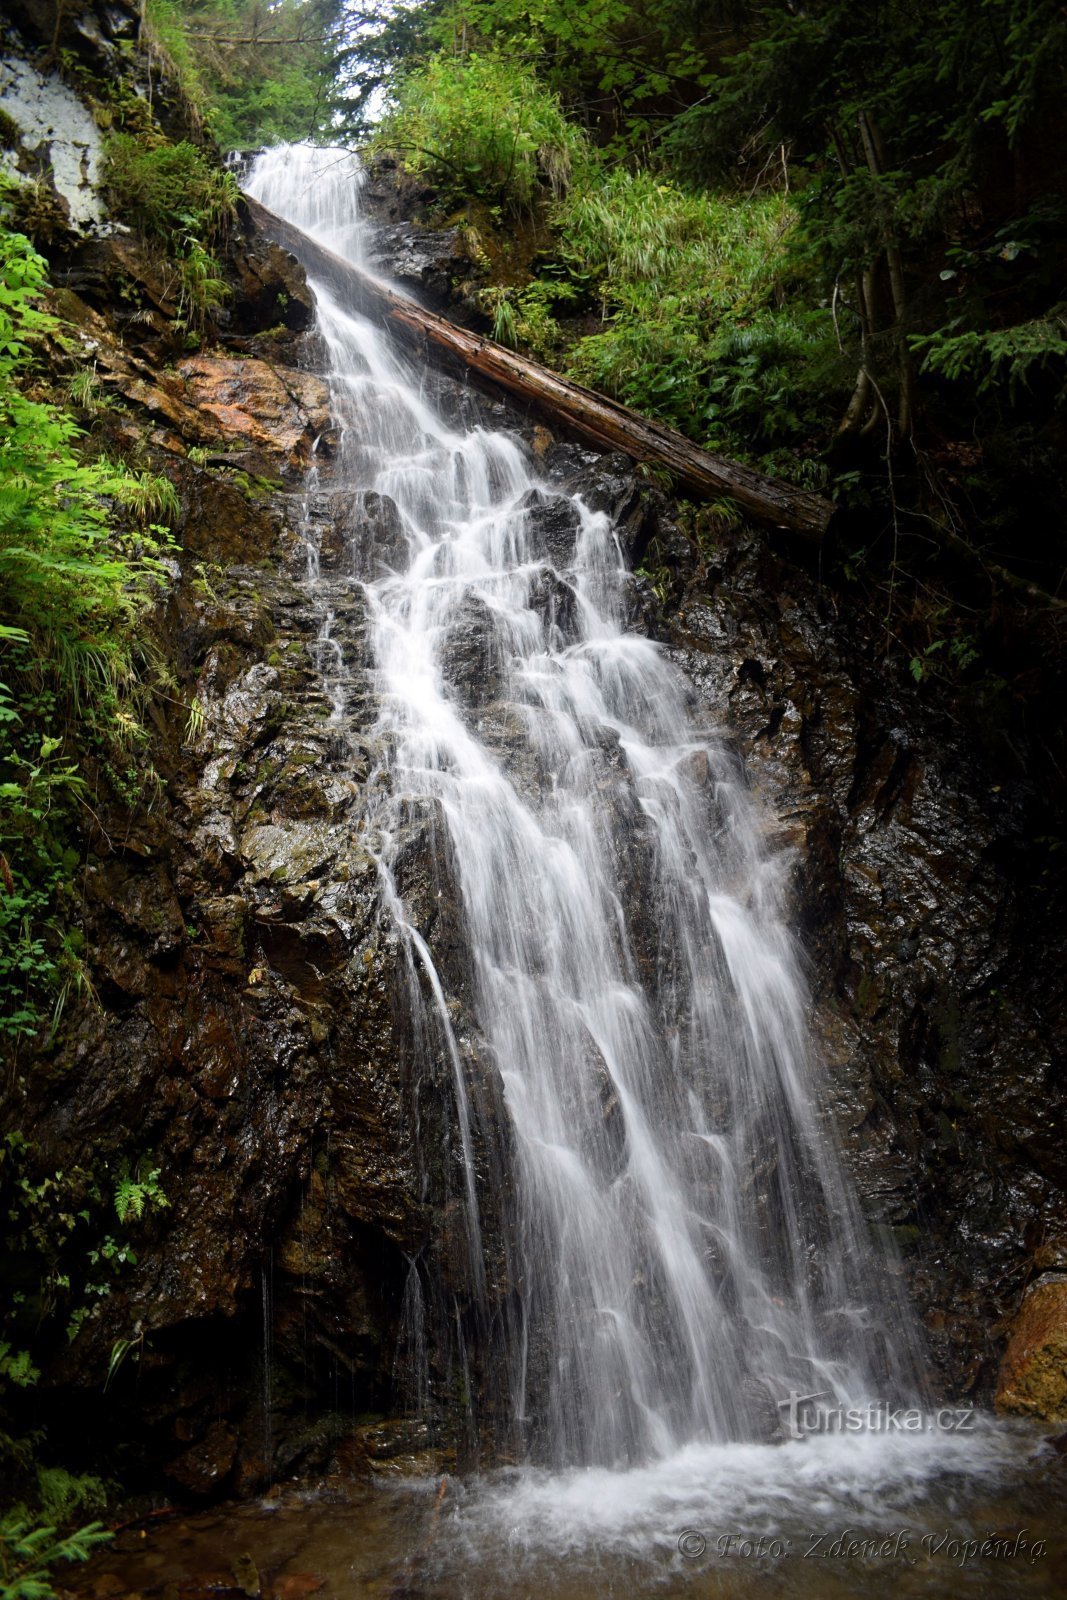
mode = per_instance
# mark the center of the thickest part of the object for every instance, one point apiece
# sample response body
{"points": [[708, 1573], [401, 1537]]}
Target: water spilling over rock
{"points": [[619, 1009]]}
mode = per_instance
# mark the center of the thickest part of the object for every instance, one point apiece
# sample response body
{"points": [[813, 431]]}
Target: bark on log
{"points": [[601, 422]]}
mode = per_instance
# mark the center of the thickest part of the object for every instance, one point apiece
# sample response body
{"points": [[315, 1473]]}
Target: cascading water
{"points": [[681, 1248]]}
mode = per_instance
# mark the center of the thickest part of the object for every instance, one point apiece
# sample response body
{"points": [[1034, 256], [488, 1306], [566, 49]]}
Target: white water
{"points": [[680, 1243]]}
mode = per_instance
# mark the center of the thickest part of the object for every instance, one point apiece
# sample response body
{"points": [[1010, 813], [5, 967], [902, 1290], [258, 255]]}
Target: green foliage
{"points": [[29, 1551], [49, 1225], [10, 132], [631, 228], [70, 583], [80, 561], [171, 193], [168, 191], [527, 316], [905, 118], [56, 1225], [165, 37], [687, 285], [63, 1495], [135, 1191], [613, 63], [16, 1367], [265, 74], [1014, 356], [37, 957], [483, 125]]}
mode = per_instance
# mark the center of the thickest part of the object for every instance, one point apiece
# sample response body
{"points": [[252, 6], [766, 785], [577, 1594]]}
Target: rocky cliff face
{"points": [[249, 1029], [933, 930]]}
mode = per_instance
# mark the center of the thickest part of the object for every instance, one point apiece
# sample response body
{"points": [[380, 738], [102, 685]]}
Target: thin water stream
{"points": [[682, 1250]]}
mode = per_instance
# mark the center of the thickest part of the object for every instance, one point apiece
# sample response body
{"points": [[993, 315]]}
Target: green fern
{"points": [[28, 1552], [134, 1194]]}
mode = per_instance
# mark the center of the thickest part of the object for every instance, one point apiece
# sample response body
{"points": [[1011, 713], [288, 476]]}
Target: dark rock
{"points": [[470, 660], [553, 524], [557, 605], [204, 1468], [272, 288], [611, 485], [937, 1011], [423, 261]]}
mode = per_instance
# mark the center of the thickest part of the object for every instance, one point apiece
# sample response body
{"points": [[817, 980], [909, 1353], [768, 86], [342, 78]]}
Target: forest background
{"points": [[825, 238]]}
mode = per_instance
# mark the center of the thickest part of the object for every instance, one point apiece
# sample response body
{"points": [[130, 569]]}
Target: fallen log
{"points": [[567, 405]]}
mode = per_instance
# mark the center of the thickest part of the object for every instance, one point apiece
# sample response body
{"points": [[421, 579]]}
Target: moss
{"points": [[10, 132], [35, 209], [866, 995]]}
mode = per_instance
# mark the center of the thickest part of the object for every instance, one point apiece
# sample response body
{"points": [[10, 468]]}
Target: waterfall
{"points": [[680, 1247]]}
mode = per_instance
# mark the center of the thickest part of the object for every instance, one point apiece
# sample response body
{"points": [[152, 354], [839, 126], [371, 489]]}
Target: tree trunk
{"points": [[872, 147], [569, 407]]}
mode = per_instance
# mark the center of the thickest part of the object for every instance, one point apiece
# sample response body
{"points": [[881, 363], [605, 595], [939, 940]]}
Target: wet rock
{"points": [[296, 1585], [228, 518], [359, 534], [936, 1013], [1032, 1381], [277, 408], [556, 603], [205, 1466], [471, 661], [553, 525], [246, 1576], [272, 288], [423, 261], [144, 901], [287, 853], [760, 1410], [611, 485], [402, 1436]]}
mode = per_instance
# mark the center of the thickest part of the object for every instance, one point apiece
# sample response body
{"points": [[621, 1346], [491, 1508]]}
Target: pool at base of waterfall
{"points": [[895, 1514]]}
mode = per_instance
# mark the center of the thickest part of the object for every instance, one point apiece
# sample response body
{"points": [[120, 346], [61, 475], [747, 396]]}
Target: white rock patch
{"points": [[49, 114]]}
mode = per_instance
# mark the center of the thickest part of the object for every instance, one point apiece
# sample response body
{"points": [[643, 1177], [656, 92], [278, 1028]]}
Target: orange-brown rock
{"points": [[1032, 1380], [255, 403]]}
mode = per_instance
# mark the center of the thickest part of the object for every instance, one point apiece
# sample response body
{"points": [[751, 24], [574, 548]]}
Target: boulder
{"points": [[1032, 1381], [277, 408]]}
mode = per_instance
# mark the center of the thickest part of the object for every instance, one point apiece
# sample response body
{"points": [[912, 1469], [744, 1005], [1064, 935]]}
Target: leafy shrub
{"points": [[640, 236], [168, 191], [1013, 357], [526, 316], [483, 126], [688, 285], [259, 75], [78, 567], [70, 585], [165, 35]]}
